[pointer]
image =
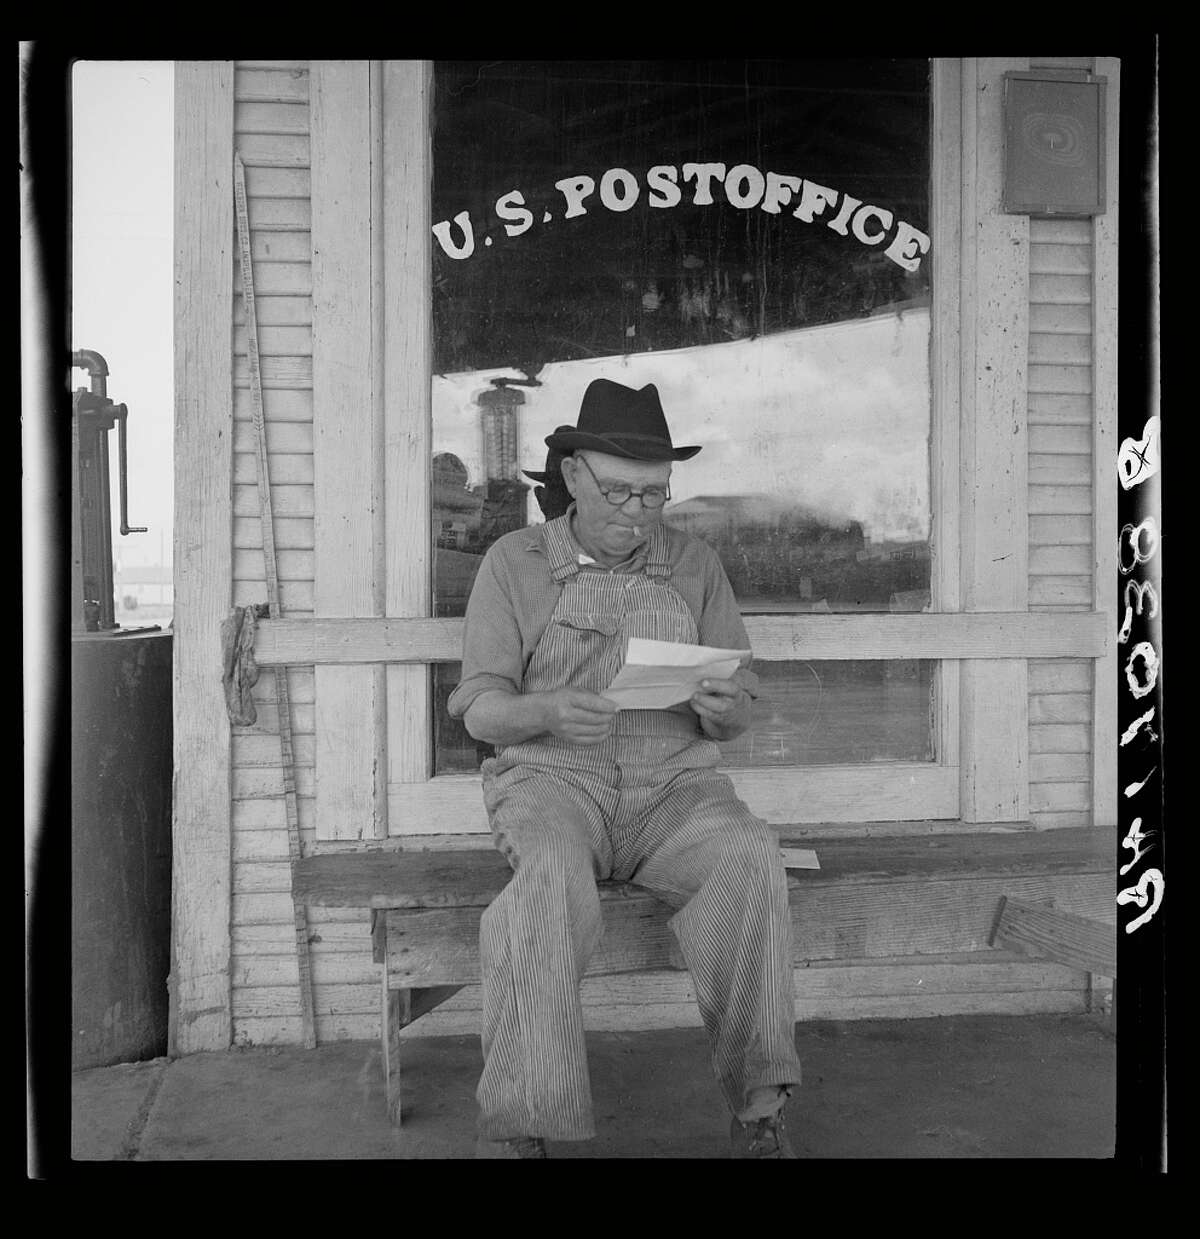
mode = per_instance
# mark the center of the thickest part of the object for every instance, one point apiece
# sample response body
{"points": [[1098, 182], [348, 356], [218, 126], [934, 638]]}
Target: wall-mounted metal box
{"points": [[1054, 140]]}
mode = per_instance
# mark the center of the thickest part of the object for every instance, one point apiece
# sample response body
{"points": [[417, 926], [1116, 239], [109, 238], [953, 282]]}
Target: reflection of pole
{"points": [[500, 431]]}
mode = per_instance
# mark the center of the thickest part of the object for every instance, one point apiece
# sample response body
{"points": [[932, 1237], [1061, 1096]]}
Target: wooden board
{"points": [[200, 1010], [404, 152], [1105, 394], [995, 982], [436, 879], [773, 637], [830, 921], [351, 762], [1049, 933]]}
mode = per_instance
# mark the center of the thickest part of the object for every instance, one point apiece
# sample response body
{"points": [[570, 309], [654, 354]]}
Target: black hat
{"points": [[553, 459], [620, 421]]}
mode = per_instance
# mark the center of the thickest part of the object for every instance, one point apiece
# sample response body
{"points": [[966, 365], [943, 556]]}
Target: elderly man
{"points": [[580, 791]]}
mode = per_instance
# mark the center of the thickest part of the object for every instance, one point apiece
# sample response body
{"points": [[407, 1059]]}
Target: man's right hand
{"points": [[579, 717]]}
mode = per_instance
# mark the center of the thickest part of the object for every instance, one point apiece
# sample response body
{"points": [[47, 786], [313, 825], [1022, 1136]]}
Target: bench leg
{"points": [[395, 1016]]}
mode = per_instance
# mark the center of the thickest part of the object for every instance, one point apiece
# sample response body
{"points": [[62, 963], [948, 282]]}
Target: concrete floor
{"points": [[954, 1087]]}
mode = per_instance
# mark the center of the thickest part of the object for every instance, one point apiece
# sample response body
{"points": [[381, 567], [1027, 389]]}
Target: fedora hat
{"points": [[553, 460], [621, 421]]}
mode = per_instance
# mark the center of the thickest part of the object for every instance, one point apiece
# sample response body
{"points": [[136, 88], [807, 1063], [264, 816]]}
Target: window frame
{"points": [[981, 635], [873, 791]]}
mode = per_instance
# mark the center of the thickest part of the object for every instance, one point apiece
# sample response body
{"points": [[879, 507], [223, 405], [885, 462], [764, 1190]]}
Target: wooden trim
{"points": [[347, 447], [879, 792], [408, 359], [994, 462], [969, 635], [1104, 456], [945, 366], [1047, 933], [200, 999]]}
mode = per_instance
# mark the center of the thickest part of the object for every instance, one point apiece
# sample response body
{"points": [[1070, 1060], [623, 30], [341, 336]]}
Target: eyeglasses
{"points": [[620, 494]]}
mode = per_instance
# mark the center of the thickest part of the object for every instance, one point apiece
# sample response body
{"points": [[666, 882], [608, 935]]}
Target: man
{"points": [[579, 791]]}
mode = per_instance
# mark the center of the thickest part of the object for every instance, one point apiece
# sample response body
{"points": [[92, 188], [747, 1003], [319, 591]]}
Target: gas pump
{"points": [[93, 415]]}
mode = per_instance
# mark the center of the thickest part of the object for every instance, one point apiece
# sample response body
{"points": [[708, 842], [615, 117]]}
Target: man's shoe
{"points": [[510, 1150], [766, 1137]]}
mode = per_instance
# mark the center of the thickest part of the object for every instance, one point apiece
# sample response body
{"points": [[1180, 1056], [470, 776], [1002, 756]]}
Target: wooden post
{"points": [[945, 368], [200, 1006], [350, 762], [994, 733], [408, 361], [1104, 456]]}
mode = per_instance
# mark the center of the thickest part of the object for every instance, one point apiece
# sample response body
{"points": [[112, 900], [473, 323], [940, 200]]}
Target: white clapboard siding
{"points": [[277, 340], [278, 311], [1061, 502], [291, 533], [271, 132]]}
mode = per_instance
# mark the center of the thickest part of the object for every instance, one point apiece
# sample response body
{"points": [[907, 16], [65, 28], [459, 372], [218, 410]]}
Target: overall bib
{"points": [[643, 806]]}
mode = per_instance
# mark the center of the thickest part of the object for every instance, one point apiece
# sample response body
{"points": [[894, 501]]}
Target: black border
{"points": [[1142, 1021]]}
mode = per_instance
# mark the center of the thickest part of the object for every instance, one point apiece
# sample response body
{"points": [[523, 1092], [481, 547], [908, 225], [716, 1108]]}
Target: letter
{"points": [[575, 189], [1145, 651], [744, 199], [779, 191], [1134, 840], [662, 180], [1138, 459], [814, 199], [1143, 588], [511, 207], [608, 184], [900, 252], [1134, 533], [1136, 726], [859, 228], [442, 232], [703, 173], [1137, 894], [845, 210]]}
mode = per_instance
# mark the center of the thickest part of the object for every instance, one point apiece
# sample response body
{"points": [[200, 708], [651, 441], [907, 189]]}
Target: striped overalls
{"points": [[645, 806]]}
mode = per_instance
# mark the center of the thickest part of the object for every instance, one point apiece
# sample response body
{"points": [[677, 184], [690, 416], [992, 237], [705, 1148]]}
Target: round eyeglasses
{"points": [[620, 494]]}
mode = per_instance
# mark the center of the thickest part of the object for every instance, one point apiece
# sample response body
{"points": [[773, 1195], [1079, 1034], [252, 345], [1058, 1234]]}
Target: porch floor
{"points": [[952, 1087]]}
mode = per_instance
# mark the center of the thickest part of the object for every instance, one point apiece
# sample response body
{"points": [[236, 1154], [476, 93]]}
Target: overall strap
{"points": [[658, 562], [560, 549]]}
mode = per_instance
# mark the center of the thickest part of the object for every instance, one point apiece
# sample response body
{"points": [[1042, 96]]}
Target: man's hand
{"points": [[723, 707], [580, 717]]}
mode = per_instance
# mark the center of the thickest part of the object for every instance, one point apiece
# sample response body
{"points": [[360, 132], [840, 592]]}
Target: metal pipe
{"points": [[97, 368], [126, 528]]}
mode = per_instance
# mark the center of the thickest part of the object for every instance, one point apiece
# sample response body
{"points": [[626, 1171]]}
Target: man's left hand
{"points": [[723, 707]]}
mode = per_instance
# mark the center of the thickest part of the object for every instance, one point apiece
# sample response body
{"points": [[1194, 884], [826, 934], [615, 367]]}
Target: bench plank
{"points": [[1052, 933], [440, 946], [473, 878]]}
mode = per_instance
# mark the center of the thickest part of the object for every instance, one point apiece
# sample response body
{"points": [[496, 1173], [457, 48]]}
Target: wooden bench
{"points": [[873, 897]]}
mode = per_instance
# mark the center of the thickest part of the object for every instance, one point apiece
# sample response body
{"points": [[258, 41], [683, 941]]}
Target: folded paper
{"points": [[659, 674]]}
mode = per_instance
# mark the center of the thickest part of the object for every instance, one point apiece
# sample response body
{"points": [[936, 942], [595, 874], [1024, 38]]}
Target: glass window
{"points": [[752, 237]]}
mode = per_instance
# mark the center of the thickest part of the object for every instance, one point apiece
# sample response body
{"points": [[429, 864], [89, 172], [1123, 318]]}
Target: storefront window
{"points": [[752, 237]]}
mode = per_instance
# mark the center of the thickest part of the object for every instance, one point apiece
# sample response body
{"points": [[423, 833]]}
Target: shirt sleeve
{"points": [[720, 622], [492, 654]]}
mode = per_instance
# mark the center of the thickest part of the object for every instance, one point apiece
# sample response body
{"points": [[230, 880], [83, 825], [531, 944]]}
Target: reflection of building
{"points": [[456, 507], [783, 552], [143, 585]]}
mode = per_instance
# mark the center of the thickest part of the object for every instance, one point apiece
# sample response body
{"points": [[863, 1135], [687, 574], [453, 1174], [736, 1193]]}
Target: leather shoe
{"points": [[766, 1137]]}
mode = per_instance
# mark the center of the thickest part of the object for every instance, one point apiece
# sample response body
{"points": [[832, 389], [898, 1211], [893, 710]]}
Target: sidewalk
{"points": [[955, 1087]]}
